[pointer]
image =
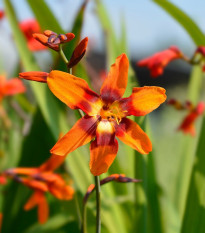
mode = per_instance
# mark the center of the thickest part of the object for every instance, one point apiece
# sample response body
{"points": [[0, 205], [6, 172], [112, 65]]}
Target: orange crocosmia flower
{"points": [[53, 40], [187, 125], [42, 179], [10, 87], [105, 114], [28, 27], [157, 62]]}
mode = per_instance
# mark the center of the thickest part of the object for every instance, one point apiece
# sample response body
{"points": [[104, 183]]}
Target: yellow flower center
{"points": [[112, 112]]}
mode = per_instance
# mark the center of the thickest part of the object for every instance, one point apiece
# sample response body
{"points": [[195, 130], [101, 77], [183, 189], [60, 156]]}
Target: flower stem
{"points": [[84, 219], [63, 55], [98, 219]]}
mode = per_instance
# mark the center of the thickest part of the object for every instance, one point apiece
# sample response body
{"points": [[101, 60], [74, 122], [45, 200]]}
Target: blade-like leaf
{"points": [[45, 99], [195, 206], [44, 16], [186, 22]]}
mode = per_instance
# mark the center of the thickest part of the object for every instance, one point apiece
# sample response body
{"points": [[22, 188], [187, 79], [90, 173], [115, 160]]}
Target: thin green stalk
{"points": [[78, 209], [63, 55], [98, 216], [84, 219]]}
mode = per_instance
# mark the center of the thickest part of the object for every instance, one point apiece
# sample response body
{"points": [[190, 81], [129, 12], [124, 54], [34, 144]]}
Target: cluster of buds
{"points": [[187, 125], [54, 41], [158, 61], [121, 178], [42, 180]]}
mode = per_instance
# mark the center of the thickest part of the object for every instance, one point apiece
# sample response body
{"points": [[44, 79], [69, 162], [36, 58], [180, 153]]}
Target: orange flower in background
{"points": [[105, 114], [53, 40], [28, 27], [10, 87], [42, 179], [157, 62], [187, 125]]}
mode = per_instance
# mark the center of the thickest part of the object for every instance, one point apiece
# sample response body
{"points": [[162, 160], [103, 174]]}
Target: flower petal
{"points": [[34, 184], [74, 92], [131, 134], [157, 62], [115, 84], [37, 76], [187, 125], [78, 53], [143, 100], [103, 149], [43, 209], [60, 190], [80, 134], [52, 163], [32, 201], [14, 86], [38, 199]]}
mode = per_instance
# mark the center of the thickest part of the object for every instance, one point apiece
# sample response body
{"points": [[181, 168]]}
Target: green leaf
{"points": [[52, 225], [195, 205], [44, 16], [47, 102], [186, 22], [148, 214], [195, 84]]}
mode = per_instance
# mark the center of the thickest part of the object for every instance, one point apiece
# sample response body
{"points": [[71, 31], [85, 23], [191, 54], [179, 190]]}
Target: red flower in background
{"points": [[28, 27], [187, 125], [157, 62], [42, 179], [2, 14], [10, 87]]}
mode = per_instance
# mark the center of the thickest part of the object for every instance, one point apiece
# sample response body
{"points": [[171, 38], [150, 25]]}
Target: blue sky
{"points": [[149, 28]]}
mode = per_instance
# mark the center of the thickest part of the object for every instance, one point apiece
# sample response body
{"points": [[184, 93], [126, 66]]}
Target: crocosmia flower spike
{"points": [[157, 62], [52, 39], [106, 114], [187, 125], [42, 179]]}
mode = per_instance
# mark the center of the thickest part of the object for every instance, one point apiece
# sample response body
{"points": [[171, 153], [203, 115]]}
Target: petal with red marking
{"points": [[131, 134], [37, 76], [74, 92], [103, 149], [143, 100], [115, 84], [80, 134]]}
